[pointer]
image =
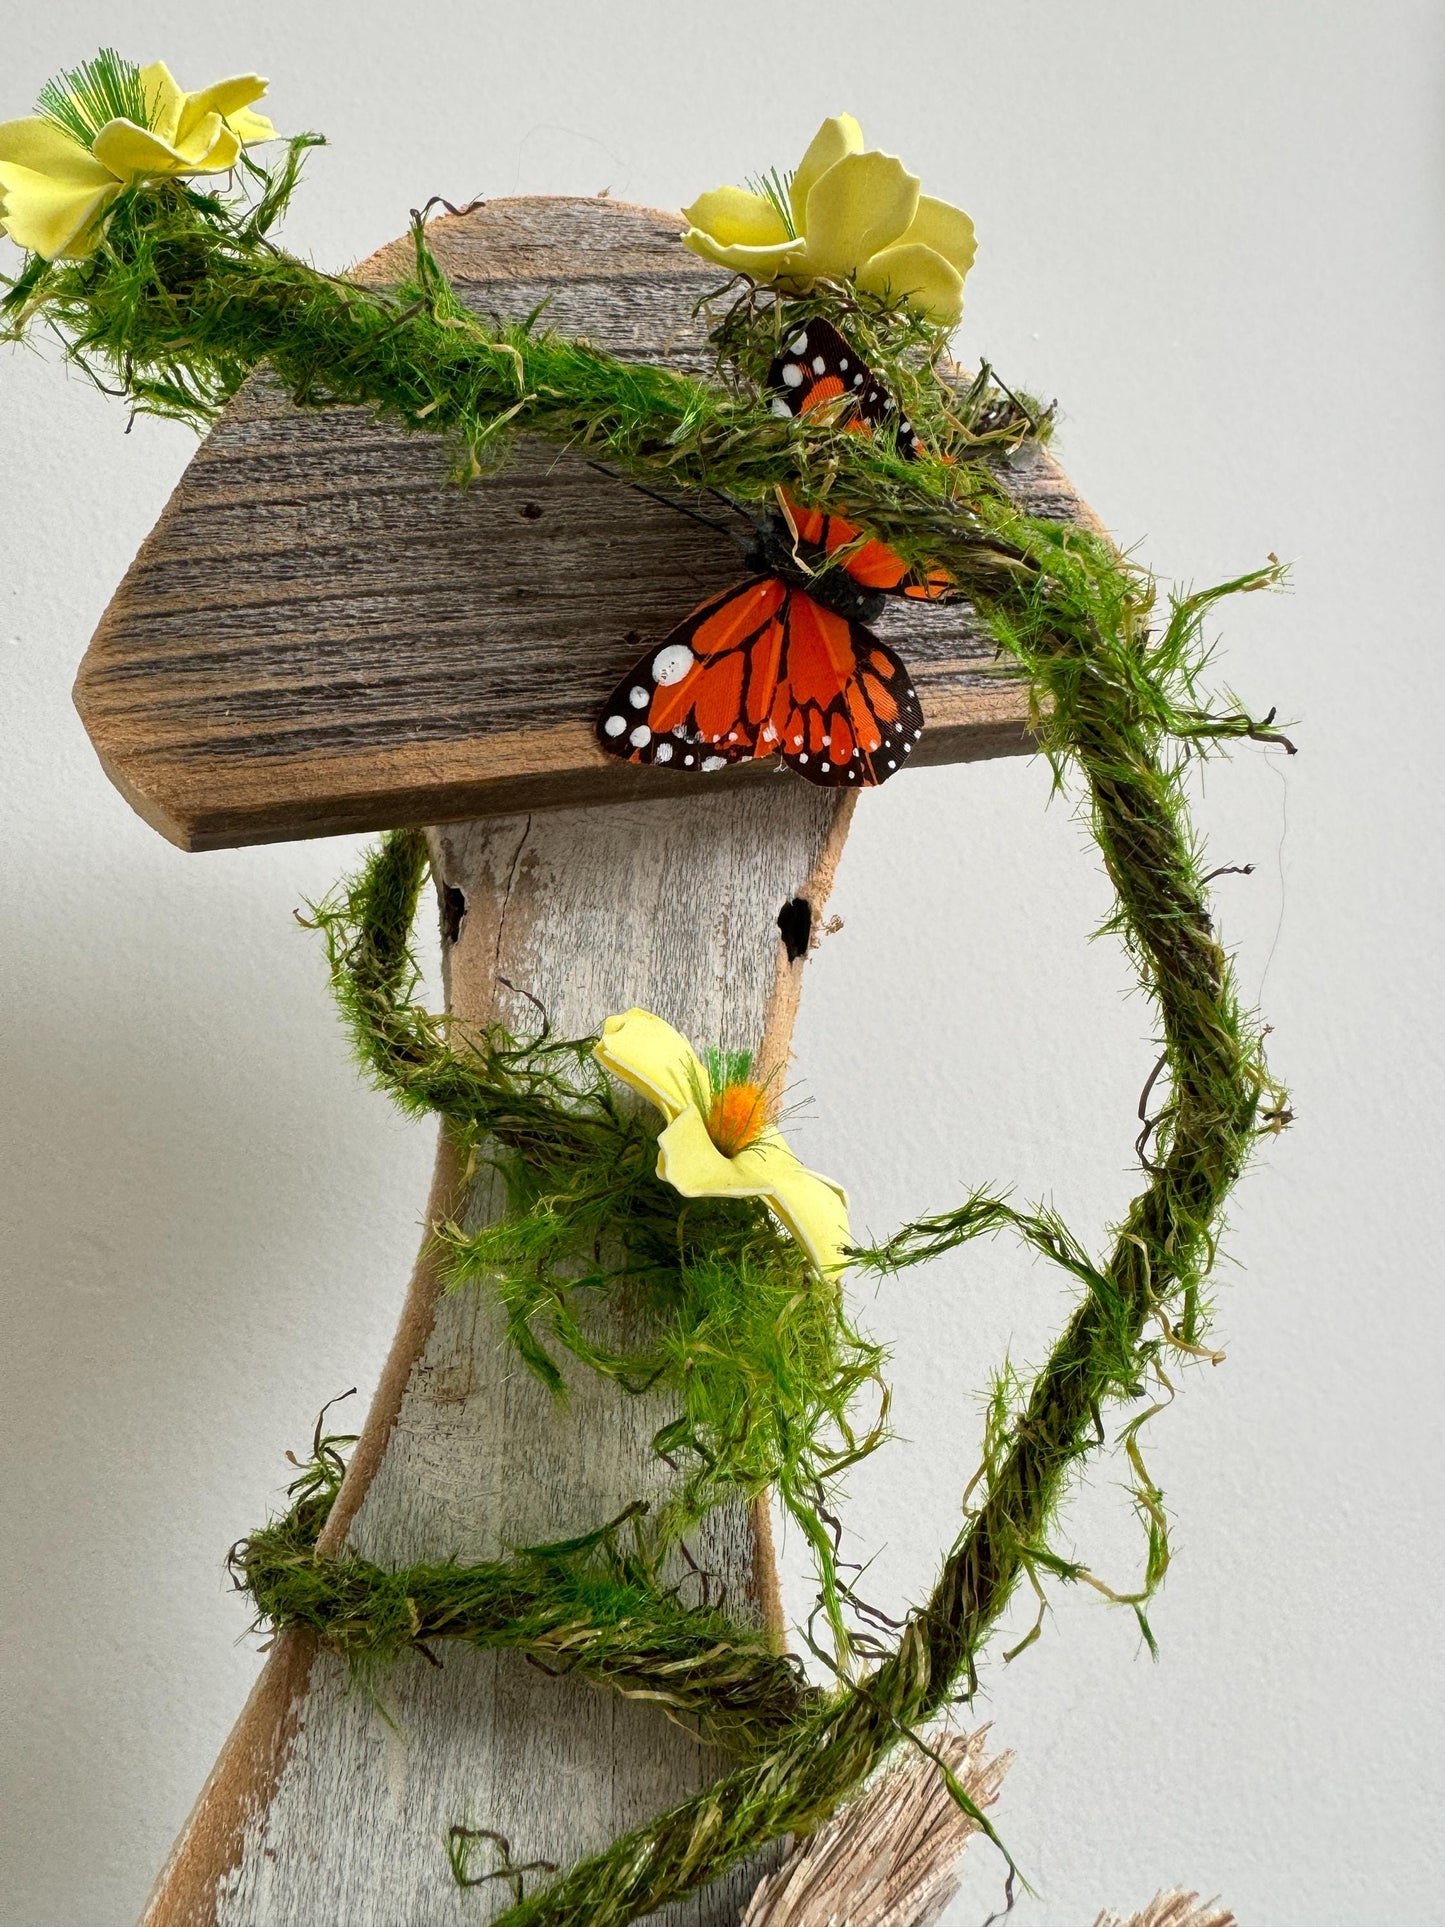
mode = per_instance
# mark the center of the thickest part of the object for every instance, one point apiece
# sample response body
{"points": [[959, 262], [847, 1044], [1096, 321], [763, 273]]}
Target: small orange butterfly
{"points": [[785, 663]]}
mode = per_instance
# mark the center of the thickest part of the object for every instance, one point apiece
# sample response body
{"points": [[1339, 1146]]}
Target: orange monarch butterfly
{"points": [[784, 663]]}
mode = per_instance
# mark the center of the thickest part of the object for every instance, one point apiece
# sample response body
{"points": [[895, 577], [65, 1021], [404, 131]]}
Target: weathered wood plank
{"points": [[319, 1810], [320, 635]]}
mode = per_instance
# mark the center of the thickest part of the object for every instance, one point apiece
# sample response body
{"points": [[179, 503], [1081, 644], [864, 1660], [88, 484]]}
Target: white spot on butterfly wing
{"points": [[780, 407], [792, 374], [820, 367], [858, 381], [640, 737], [798, 345], [638, 696], [713, 762], [615, 725], [671, 663]]}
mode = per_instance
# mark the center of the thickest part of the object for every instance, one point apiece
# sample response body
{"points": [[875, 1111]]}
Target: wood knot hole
{"points": [[454, 912], [795, 923], [530, 511]]}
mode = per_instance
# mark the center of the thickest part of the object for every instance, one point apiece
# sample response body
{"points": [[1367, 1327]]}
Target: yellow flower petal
{"points": [[945, 229], [208, 148], [859, 206], [184, 122], [56, 218], [212, 146], [655, 1060], [131, 151], [735, 218], [165, 100], [40, 146], [691, 1163], [836, 137], [229, 99], [250, 128], [128, 150], [812, 1209], [928, 282], [226, 149], [763, 264]]}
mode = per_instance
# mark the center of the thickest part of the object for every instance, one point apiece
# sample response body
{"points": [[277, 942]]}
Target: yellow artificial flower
{"points": [[53, 191], [718, 1142], [55, 188], [850, 214]]}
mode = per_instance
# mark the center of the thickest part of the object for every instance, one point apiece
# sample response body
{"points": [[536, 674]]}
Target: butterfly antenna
{"points": [[678, 508]]}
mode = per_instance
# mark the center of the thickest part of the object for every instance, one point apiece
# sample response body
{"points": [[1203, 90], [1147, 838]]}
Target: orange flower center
{"points": [[736, 1118]]}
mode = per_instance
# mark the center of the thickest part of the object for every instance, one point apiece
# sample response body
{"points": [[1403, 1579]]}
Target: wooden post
{"points": [[316, 637], [674, 906]]}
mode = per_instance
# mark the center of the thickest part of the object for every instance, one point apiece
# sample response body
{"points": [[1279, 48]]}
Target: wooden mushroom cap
{"points": [[320, 635]]}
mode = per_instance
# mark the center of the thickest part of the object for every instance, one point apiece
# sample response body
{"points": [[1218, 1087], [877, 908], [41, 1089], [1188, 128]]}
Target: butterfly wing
{"points": [[845, 712], [704, 696], [817, 366], [873, 565], [764, 670]]}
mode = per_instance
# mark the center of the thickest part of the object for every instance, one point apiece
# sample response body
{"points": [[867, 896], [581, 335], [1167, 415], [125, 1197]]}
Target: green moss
{"points": [[754, 1351], [590, 1606]]}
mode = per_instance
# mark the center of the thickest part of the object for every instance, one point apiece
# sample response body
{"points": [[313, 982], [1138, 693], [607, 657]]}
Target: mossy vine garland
{"points": [[181, 296]]}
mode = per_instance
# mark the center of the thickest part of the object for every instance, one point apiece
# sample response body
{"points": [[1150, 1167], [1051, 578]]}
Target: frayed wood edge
{"points": [[890, 1858], [1174, 1909]]}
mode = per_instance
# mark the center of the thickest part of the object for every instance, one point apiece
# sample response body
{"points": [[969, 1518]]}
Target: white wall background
{"points": [[1214, 231]]}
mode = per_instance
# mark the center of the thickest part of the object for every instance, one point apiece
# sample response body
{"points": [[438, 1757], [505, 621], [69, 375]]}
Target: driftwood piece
{"points": [[319, 1810], [318, 635], [1174, 1909], [891, 1858]]}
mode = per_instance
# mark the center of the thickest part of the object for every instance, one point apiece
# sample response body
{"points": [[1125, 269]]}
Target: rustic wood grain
{"points": [[324, 1808], [891, 1858], [321, 635]]}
